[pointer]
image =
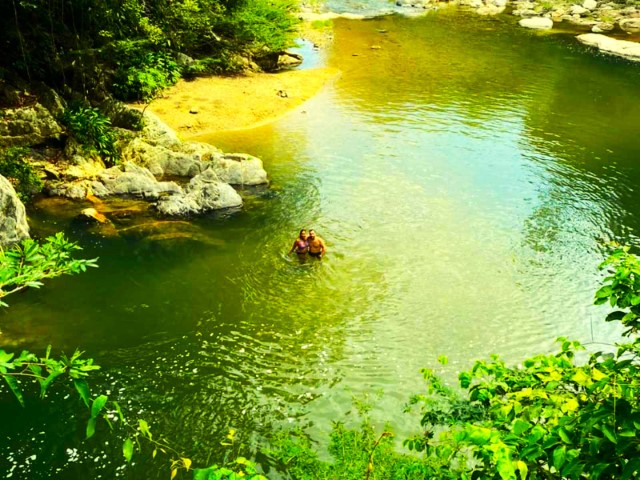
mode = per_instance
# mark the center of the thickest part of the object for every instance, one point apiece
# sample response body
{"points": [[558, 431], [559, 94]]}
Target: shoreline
{"points": [[218, 104]]}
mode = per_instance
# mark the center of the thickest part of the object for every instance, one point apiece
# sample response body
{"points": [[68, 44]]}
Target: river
{"points": [[463, 173]]}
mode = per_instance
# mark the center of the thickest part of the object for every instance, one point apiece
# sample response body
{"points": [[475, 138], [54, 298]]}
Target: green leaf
{"points": [[523, 469], [83, 390], [15, 388], [119, 410], [143, 426], [564, 435], [44, 384], [97, 405], [520, 426], [632, 466], [609, 433], [559, 455], [127, 449], [91, 427]]}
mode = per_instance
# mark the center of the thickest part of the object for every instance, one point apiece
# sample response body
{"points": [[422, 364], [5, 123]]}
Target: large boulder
{"points": [[132, 180], [13, 217], [30, 125], [204, 193], [161, 160], [239, 169], [536, 23]]}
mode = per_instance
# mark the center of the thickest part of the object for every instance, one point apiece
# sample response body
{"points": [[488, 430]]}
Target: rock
{"points": [[413, 3], [526, 13], [203, 152], [289, 60], [30, 125], [239, 169], [91, 215], [136, 181], [204, 193], [489, 10], [184, 60], [157, 133], [630, 25], [75, 190], [537, 23], [620, 48], [13, 217], [578, 10], [590, 4], [194, 110], [602, 27], [161, 160]]}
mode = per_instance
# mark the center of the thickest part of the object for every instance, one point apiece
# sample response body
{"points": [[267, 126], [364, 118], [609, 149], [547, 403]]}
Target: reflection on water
{"points": [[462, 173]]}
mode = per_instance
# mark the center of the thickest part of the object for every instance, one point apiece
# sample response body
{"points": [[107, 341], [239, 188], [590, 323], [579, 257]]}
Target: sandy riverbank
{"points": [[213, 104]]}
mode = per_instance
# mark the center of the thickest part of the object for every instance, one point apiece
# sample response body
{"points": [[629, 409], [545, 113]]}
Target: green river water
{"points": [[464, 175]]}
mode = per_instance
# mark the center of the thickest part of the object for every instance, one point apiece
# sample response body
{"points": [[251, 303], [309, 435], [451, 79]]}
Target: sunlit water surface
{"points": [[463, 174]]}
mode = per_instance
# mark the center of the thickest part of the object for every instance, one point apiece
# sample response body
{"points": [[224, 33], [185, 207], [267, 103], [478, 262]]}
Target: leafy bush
{"points": [[263, 26], [92, 129], [143, 74], [19, 172], [223, 64]]}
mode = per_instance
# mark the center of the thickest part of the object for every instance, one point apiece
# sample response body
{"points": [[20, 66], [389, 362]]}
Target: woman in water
{"points": [[300, 245]]}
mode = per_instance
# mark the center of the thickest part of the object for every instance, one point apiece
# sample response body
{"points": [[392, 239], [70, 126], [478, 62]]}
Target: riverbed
{"points": [[464, 174]]}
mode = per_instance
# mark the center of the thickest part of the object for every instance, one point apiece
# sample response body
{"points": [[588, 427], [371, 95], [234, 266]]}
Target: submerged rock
{"points": [[536, 23], [13, 217], [92, 215], [620, 48]]}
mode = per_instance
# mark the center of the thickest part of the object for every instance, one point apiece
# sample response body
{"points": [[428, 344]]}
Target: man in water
{"points": [[317, 247]]}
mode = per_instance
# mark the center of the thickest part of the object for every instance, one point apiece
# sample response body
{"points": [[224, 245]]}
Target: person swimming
{"points": [[316, 245], [300, 245]]}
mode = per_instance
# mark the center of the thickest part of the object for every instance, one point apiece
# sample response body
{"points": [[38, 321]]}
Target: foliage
{"points": [[141, 75], [92, 129], [93, 47], [28, 263], [45, 370], [264, 26], [359, 453], [19, 172]]}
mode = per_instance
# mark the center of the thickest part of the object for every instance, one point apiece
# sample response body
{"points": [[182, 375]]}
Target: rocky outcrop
{"points": [[31, 125], [204, 193], [132, 180], [192, 158], [13, 218], [619, 48], [156, 132]]}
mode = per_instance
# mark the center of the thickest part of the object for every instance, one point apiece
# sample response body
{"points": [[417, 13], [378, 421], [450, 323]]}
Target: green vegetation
{"points": [[134, 49], [15, 167], [92, 129]]}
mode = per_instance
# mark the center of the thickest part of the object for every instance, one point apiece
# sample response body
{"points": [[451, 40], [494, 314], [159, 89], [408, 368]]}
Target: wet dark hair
{"points": [[303, 230]]}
